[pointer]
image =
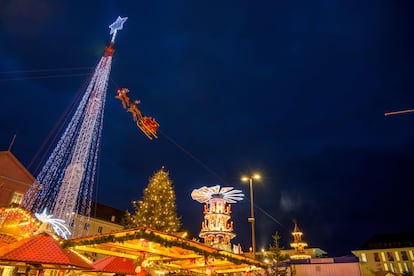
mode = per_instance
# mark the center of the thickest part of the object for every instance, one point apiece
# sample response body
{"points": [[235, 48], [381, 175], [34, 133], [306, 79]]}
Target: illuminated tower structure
{"points": [[298, 245], [216, 229], [65, 182]]}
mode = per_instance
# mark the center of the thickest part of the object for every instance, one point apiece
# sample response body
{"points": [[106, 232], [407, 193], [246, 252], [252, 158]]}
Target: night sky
{"points": [[294, 90]]}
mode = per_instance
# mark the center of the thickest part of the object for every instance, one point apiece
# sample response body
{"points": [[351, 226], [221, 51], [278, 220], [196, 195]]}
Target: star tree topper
{"points": [[116, 26]]}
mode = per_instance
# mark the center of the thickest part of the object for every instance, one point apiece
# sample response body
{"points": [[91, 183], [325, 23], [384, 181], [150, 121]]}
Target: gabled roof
{"points": [[296, 228], [41, 249], [12, 169], [105, 212], [395, 240], [113, 264]]}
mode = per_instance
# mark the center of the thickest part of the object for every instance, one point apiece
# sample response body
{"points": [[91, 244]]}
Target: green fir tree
{"points": [[157, 209], [277, 259]]}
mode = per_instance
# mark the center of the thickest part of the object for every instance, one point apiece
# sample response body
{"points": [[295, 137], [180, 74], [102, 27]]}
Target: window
{"points": [[390, 257], [113, 218], [72, 223], [406, 267], [86, 226], [397, 257], [404, 255], [100, 228], [363, 257], [17, 198], [377, 257], [400, 267]]}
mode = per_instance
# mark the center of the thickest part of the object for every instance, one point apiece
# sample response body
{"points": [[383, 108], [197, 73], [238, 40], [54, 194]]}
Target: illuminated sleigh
{"points": [[149, 126]]}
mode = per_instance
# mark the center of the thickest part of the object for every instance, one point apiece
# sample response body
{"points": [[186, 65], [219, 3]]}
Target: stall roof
{"points": [[44, 250], [113, 264], [166, 250]]}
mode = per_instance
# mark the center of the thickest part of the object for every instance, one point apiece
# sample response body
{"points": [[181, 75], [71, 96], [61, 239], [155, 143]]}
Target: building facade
{"points": [[15, 180], [103, 219], [388, 254], [339, 266]]}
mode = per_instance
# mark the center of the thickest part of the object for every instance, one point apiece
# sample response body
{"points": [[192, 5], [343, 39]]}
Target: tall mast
{"points": [[65, 183]]}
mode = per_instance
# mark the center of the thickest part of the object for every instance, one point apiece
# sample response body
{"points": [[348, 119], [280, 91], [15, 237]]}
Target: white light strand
{"points": [[66, 180]]}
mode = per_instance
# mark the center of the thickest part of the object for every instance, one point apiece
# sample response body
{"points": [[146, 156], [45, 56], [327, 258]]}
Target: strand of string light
{"points": [[49, 76], [171, 140], [46, 70], [201, 163], [45, 77], [204, 165], [213, 173], [57, 129]]}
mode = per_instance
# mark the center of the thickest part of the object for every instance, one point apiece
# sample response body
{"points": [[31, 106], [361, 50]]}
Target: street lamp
{"points": [[251, 219]]}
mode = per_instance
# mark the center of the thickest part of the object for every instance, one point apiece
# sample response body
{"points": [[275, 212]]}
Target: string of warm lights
{"points": [[17, 223], [157, 209], [151, 236]]}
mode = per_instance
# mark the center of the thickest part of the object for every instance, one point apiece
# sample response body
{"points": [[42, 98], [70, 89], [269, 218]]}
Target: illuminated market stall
{"points": [[153, 250]]}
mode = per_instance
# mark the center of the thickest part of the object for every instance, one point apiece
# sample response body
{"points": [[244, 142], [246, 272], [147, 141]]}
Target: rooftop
{"points": [[391, 240]]}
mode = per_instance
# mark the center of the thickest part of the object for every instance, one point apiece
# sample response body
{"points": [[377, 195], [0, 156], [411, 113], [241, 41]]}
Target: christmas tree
{"points": [[277, 258], [157, 209]]}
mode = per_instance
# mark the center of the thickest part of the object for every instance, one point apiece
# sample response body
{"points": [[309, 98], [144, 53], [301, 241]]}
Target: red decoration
{"points": [[148, 125]]}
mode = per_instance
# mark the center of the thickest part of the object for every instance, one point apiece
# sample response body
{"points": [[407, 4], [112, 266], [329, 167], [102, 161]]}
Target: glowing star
{"points": [[57, 224], [204, 194], [116, 26]]}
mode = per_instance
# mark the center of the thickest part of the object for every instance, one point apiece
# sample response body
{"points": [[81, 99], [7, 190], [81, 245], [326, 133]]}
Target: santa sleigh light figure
{"points": [[148, 125]]}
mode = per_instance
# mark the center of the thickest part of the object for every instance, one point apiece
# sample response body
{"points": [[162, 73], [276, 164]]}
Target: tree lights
{"points": [[157, 209]]}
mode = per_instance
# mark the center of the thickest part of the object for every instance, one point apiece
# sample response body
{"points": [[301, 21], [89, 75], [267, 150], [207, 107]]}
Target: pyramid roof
{"points": [[41, 249]]}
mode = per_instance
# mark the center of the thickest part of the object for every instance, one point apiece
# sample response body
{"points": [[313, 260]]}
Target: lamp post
{"points": [[251, 219]]}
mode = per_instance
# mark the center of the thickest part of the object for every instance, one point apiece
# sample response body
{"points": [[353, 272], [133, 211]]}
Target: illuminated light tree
{"points": [[65, 182], [298, 245], [216, 230], [157, 209]]}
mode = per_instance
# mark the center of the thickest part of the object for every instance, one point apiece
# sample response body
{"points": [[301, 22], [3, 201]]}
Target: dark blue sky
{"points": [[295, 90]]}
